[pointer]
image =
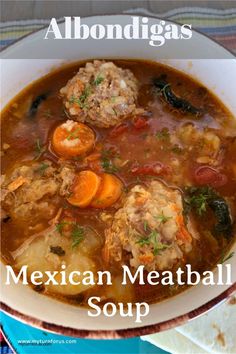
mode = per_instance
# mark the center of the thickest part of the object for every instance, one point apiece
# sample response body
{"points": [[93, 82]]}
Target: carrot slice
{"points": [[108, 193], [183, 233], [84, 188], [146, 258], [72, 139]]}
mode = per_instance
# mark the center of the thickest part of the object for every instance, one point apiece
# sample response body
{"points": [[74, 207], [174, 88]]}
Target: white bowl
{"points": [[219, 75]]}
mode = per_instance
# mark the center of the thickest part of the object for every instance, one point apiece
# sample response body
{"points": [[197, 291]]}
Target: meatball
{"points": [[31, 191], [149, 229], [101, 94]]}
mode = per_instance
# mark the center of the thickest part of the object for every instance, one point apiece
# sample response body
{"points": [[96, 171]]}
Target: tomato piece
{"points": [[208, 175], [140, 123], [155, 168], [119, 129]]}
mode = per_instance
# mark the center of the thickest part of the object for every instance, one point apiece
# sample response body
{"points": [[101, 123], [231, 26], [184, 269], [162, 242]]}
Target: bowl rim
{"points": [[128, 332], [120, 333]]}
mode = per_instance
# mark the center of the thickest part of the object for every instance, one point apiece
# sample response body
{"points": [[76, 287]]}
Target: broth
{"points": [[163, 144]]}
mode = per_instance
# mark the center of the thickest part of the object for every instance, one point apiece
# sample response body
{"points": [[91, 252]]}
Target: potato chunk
{"points": [[41, 253]]}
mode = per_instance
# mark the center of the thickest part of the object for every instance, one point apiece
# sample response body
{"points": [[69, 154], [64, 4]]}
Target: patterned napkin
{"points": [[218, 24]]}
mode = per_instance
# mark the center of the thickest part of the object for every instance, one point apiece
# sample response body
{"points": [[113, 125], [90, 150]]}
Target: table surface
{"points": [[26, 340], [43, 9]]}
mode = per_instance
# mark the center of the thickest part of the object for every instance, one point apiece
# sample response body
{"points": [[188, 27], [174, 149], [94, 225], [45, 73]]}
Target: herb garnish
{"points": [[226, 258], [152, 239], [163, 134], [76, 232], [145, 225], [197, 202], [60, 226], [115, 112], [98, 80], [106, 162], [73, 134], [108, 166], [77, 235], [163, 218], [81, 100], [39, 149], [43, 166]]}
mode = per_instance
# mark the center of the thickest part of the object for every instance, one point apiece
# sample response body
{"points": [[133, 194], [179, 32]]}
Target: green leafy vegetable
{"points": [[176, 102], [201, 198]]}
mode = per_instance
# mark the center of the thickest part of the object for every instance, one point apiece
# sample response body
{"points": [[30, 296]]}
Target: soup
{"points": [[116, 163]]}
